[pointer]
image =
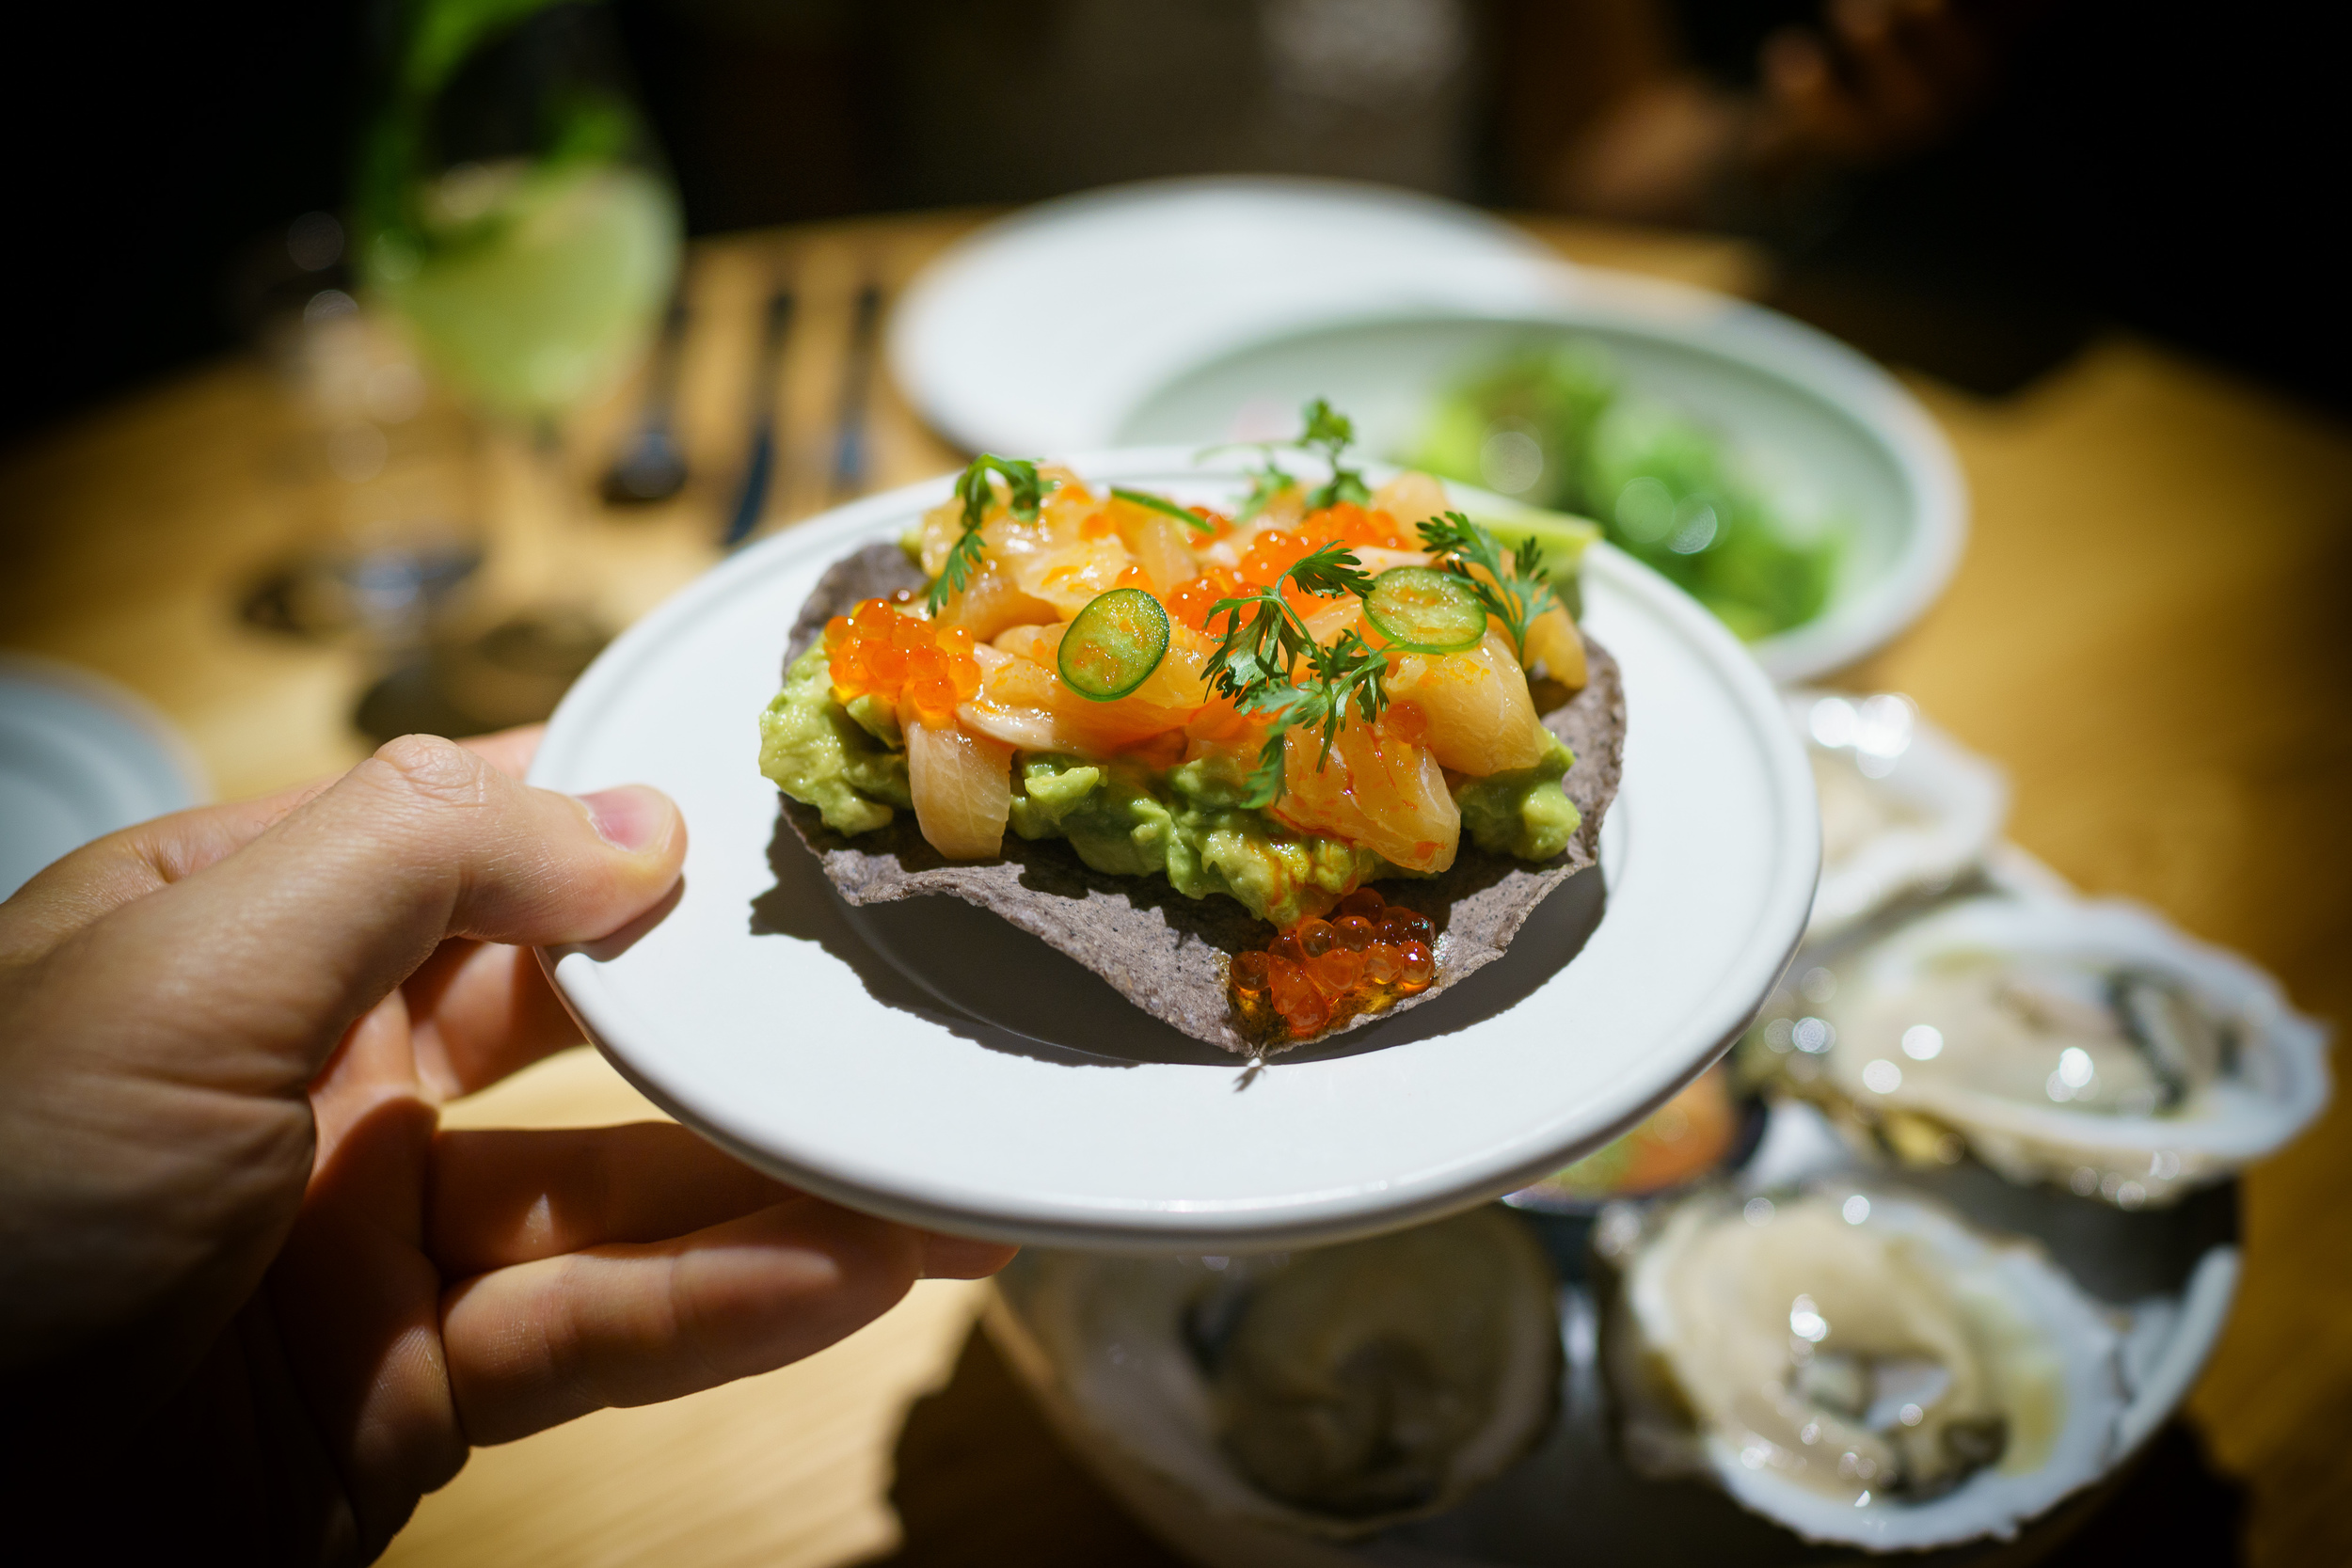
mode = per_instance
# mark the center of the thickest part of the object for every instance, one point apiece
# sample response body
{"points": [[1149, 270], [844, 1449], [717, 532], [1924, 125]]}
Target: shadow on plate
{"points": [[1070, 1023], [1007, 990]]}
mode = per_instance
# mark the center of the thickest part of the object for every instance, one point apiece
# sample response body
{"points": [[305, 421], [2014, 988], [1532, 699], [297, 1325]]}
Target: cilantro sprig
{"points": [[1333, 432], [1269, 664], [1025, 492], [1513, 593], [1327, 431], [1265, 482], [1349, 672]]}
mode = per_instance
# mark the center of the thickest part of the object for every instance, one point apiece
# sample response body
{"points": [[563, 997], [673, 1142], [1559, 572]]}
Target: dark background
{"points": [[2172, 168]]}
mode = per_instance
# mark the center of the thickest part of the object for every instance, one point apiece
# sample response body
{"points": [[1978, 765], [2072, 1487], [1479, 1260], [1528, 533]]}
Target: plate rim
{"points": [[1753, 335], [910, 362], [1230, 1224]]}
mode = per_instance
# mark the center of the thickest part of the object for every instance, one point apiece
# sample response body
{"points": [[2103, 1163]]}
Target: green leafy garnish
{"points": [[1025, 493], [1349, 670], [1514, 593], [1328, 431], [1271, 665], [1333, 432], [1164, 506], [1265, 485]]}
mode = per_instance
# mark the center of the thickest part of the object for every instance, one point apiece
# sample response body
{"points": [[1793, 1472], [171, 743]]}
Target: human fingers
{"points": [[107, 873], [540, 1343], [149, 856], [504, 1197], [500, 1197], [329, 907], [960, 1258], [508, 750], [482, 1011]]}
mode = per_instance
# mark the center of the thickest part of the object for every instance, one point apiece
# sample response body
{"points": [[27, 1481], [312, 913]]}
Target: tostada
{"points": [[1271, 771]]}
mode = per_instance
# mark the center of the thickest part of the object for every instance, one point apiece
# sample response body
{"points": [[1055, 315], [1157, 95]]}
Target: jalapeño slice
{"points": [[1114, 644], [1425, 611]]}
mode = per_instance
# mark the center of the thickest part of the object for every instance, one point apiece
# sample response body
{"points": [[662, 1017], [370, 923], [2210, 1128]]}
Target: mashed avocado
{"points": [[1523, 813], [1187, 824], [813, 750]]}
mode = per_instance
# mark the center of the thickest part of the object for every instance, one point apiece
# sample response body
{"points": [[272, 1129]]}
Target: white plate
{"points": [[1822, 426], [756, 1012], [79, 758], [1031, 335]]}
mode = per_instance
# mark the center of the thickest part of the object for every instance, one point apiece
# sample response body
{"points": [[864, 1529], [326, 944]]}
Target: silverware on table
{"points": [[851, 446], [759, 469], [651, 465]]}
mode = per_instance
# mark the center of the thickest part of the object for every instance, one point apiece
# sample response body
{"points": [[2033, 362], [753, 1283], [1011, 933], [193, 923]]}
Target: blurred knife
{"points": [[650, 466], [850, 446], [759, 470]]}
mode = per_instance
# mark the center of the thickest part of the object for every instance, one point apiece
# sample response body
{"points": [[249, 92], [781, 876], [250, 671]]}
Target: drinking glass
{"points": [[513, 210]]}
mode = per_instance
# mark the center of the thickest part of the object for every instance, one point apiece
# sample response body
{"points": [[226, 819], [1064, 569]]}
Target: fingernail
{"points": [[630, 818]]}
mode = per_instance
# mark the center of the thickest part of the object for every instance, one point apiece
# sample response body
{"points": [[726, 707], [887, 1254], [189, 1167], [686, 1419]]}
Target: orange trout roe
{"points": [[1192, 601], [1321, 972], [1275, 550], [879, 651]]}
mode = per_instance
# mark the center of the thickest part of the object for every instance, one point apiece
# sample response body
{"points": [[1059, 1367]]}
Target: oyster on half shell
{"points": [[2082, 1042], [1856, 1364], [1905, 809], [1330, 1392]]}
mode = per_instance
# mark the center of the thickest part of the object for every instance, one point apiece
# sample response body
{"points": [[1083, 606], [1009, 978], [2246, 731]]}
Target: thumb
{"points": [[281, 946]]}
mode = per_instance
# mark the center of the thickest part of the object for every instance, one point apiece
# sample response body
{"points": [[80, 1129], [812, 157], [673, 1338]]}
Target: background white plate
{"points": [[1031, 335], [79, 758], [756, 1012], [1821, 424]]}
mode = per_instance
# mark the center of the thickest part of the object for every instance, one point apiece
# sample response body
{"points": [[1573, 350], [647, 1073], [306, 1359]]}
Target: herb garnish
{"points": [[1334, 433], [1163, 505], [1258, 664], [1026, 491], [1265, 485], [1328, 431], [1513, 593]]}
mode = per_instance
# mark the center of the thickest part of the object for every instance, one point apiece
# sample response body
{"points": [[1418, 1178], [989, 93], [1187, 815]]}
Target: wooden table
{"points": [[2141, 633]]}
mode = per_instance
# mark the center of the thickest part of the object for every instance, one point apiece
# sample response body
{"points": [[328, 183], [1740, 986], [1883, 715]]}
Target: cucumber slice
{"points": [[1114, 644], [1425, 611]]}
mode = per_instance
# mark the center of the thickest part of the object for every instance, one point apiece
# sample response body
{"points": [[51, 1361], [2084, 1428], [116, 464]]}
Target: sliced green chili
{"points": [[1114, 644], [1425, 611]]}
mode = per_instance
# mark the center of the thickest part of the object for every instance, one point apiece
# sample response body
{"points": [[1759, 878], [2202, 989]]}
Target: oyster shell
{"points": [[1905, 809], [1331, 1392], [2058, 1040], [1857, 1364]]}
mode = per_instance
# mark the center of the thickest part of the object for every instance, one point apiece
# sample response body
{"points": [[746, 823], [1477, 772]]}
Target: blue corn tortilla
{"points": [[1167, 952]]}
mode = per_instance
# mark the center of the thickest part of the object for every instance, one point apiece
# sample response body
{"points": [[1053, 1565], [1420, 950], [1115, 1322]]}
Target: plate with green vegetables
{"points": [[1784, 480]]}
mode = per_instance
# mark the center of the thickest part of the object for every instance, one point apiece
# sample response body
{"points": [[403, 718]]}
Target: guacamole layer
{"points": [[1184, 823]]}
